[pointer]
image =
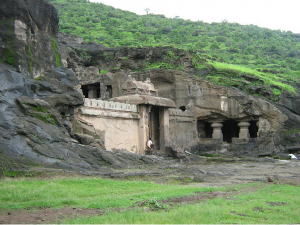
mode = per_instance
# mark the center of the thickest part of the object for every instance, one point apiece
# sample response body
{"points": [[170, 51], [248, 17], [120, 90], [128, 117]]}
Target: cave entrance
{"points": [[230, 130], [204, 129], [154, 131], [253, 129], [91, 90]]}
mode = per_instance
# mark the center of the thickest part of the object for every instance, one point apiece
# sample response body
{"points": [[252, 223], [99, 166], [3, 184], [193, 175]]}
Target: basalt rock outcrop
{"points": [[28, 30], [36, 121], [37, 99], [206, 108], [38, 124]]}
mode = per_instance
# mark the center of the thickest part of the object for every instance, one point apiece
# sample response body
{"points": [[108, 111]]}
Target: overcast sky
{"points": [[273, 14]]}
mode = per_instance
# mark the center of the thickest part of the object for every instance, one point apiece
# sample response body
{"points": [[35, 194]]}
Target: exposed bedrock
{"points": [[28, 30]]}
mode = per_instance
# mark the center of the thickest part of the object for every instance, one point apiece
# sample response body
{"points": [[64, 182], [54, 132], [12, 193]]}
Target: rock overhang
{"points": [[139, 99]]}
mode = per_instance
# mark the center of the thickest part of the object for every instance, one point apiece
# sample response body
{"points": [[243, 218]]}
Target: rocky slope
{"points": [[36, 114], [37, 97], [27, 35], [35, 126]]}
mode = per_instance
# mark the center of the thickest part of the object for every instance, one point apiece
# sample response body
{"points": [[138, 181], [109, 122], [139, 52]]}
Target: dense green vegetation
{"points": [[268, 53]]}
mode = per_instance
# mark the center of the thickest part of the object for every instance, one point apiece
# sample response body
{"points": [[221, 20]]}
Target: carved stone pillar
{"points": [[217, 132], [164, 128], [201, 130], [244, 131], [143, 128], [92, 92]]}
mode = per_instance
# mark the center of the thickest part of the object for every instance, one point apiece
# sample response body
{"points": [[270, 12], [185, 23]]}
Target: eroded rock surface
{"points": [[36, 126], [28, 29], [37, 121], [202, 103]]}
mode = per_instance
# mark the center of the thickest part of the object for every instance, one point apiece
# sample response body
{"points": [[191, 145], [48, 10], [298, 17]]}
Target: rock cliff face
{"points": [[37, 99], [269, 123], [27, 35], [37, 123], [35, 126]]}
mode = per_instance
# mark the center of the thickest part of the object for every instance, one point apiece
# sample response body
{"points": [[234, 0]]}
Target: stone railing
{"points": [[179, 112], [118, 106]]}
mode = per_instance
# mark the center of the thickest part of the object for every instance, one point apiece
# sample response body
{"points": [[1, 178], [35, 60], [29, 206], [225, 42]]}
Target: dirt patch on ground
{"points": [[36, 216], [202, 173]]}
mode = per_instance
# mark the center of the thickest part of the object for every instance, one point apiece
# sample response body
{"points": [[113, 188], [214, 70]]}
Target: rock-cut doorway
{"points": [[154, 131]]}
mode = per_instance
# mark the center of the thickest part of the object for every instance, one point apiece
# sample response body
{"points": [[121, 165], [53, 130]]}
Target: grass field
{"points": [[268, 78], [147, 202]]}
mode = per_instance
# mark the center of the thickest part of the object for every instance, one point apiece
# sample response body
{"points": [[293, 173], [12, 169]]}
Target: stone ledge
{"points": [[118, 106], [179, 112], [181, 119], [102, 113]]}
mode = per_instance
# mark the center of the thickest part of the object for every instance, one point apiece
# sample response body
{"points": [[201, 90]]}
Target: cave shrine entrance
{"points": [[91, 90], [154, 131], [230, 130], [227, 130]]}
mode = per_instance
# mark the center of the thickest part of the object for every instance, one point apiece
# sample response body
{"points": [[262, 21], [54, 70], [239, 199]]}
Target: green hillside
{"points": [[271, 55]]}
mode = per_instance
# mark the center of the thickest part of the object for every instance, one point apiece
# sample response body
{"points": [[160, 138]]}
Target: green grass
{"points": [[265, 204], [273, 204], [86, 193], [268, 78]]}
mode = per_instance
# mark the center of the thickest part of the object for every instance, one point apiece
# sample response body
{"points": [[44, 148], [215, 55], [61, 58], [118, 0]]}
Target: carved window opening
{"points": [[109, 91], [204, 129], [182, 108], [230, 130], [91, 90], [253, 129]]}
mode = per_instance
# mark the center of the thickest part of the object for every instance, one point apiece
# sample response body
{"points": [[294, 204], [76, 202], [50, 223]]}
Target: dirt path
{"points": [[203, 173], [236, 172]]}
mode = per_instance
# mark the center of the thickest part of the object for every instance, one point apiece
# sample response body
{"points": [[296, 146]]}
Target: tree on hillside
{"points": [[147, 10]]}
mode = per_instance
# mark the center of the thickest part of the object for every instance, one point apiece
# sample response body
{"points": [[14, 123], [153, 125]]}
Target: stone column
{"points": [[244, 131], [92, 92], [201, 130], [164, 134], [143, 128], [217, 132]]}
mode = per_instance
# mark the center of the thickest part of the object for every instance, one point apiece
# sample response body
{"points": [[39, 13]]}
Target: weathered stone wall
{"points": [[117, 123], [183, 133], [27, 35]]}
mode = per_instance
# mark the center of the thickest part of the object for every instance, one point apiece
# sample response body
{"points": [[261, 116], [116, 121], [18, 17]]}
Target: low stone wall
{"points": [[118, 123]]}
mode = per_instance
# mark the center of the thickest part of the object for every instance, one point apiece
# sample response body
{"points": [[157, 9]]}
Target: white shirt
{"points": [[149, 143]]}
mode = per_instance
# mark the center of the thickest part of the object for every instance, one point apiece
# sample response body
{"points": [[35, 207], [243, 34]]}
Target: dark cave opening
{"points": [[230, 130]]}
